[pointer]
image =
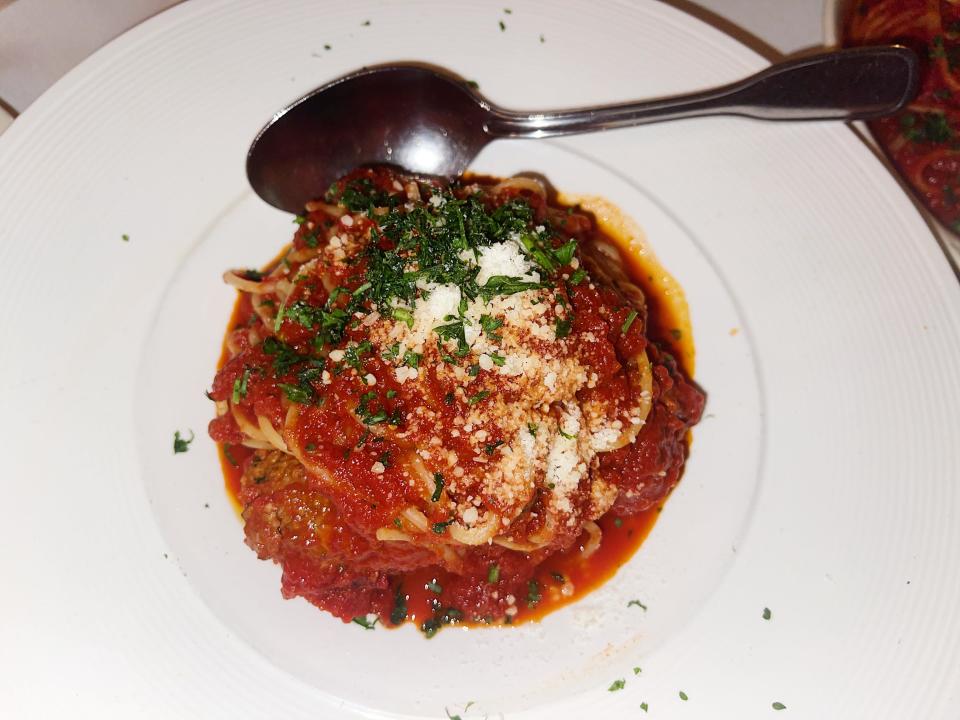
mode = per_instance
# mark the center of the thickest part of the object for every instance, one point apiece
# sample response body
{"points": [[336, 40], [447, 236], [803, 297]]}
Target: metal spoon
{"points": [[431, 122]]}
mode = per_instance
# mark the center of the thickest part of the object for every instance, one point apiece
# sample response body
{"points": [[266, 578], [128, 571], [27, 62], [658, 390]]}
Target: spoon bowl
{"points": [[424, 121], [430, 122]]}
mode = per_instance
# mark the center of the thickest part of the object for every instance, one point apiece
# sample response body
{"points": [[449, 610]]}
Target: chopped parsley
{"points": [[637, 671], [618, 684], [532, 428], [683, 696], [533, 593], [441, 527], [618, 522], [448, 616], [503, 25], [454, 331], [578, 276], [566, 435], [363, 622], [399, 612], [297, 394], [644, 707], [631, 316], [490, 324], [285, 357], [779, 706], [392, 352], [767, 614], [352, 354], [434, 587], [181, 444], [480, 396], [506, 285], [125, 237], [493, 573], [562, 327], [931, 127], [558, 577], [240, 386], [226, 453], [437, 487], [491, 448], [403, 315], [637, 603]]}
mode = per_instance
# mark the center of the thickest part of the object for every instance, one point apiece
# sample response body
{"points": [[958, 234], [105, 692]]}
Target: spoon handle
{"points": [[855, 84]]}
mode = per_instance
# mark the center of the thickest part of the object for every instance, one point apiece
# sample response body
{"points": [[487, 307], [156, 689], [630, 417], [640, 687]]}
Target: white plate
{"points": [[822, 483]]}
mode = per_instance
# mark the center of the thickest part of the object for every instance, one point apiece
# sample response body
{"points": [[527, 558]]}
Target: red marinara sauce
{"points": [[922, 140], [622, 534]]}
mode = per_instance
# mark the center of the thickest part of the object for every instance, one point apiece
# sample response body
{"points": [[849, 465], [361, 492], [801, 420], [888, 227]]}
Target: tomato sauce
{"points": [[429, 594]]}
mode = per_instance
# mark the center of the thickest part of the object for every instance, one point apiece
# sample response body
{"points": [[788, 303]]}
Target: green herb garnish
{"points": [[363, 622], [474, 399], [441, 527], [240, 386], [399, 612], [437, 487], [297, 394], [180, 444], [533, 593]]}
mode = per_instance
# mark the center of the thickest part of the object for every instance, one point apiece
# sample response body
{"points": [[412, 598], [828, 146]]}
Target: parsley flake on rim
{"points": [[181, 444], [364, 622], [618, 684]]}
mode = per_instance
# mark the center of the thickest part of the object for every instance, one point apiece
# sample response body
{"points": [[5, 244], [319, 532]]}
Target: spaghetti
{"points": [[922, 140], [451, 379]]}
